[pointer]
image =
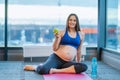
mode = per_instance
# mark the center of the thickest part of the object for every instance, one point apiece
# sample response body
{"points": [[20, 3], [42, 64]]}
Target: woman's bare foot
{"points": [[52, 71], [29, 68]]}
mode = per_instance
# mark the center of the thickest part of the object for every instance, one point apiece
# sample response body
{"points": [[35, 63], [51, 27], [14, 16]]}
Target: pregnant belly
{"points": [[66, 53]]}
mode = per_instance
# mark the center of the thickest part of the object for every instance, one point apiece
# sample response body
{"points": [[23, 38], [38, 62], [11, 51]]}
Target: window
{"points": [[32, 22], [113, 26], [2, 21]]}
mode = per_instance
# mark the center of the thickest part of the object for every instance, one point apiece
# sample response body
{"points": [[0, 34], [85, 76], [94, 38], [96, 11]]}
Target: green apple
{"points": [[55, 30]]}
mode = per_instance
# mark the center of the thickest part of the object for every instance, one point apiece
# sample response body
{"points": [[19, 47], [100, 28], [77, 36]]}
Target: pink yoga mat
{"points": [[81, 76]]}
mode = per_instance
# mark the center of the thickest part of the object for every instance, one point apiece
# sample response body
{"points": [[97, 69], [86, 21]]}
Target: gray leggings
{"points": [[56, 62]]}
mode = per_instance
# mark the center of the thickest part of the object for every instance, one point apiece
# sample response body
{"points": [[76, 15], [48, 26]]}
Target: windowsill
{"points": [[112, 51]]}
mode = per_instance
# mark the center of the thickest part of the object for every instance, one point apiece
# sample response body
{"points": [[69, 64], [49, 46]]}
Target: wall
{"points": [[38, 53], [111, 58]]}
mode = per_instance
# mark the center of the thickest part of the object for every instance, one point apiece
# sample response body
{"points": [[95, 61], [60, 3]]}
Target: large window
{"points": [[113, 25], [2, 21], [32, 21]]}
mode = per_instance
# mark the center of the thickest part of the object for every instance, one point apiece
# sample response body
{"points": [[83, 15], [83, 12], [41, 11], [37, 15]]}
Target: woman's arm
{"points": [[78, 55], [57, 41]]}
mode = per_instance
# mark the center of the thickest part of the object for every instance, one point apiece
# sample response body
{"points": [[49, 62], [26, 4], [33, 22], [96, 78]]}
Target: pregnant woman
{"points": [[66, 47]]}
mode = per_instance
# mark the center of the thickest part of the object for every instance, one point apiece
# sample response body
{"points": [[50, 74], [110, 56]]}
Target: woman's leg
{"points": [[70, 67], [44, 68], [53, 61]]}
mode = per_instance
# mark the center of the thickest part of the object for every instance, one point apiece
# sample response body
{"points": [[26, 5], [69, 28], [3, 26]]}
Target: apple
{"points": [[55, 30]]}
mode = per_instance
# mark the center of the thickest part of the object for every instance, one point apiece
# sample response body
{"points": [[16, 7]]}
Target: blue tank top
{"points": [[67, 40]]}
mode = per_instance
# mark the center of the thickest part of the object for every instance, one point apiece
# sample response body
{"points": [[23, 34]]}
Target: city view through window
{"points": [[34, 24]]}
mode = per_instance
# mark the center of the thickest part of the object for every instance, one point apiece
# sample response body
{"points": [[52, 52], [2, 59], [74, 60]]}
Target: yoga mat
{"points": [[81, 76]]}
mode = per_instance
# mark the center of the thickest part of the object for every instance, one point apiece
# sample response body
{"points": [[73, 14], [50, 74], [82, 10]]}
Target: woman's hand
{"points": [[57, 35], [57, 40]]}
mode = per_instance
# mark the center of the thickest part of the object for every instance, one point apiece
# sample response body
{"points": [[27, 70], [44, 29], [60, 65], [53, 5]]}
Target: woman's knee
{"points": [[42, 70], [85, 67], [80, 67]]}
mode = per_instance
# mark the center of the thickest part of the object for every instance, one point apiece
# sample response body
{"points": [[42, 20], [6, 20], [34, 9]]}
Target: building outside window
{"points": [[113, 25], [2, 22], [32, 22]]}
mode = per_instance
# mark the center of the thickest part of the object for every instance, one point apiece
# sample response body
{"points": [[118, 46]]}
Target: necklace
{"points": [[72, 34]]}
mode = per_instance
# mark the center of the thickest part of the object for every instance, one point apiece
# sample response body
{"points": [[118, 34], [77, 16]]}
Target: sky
{"points": [[54, 2], [48, 11], [48, 14]]}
